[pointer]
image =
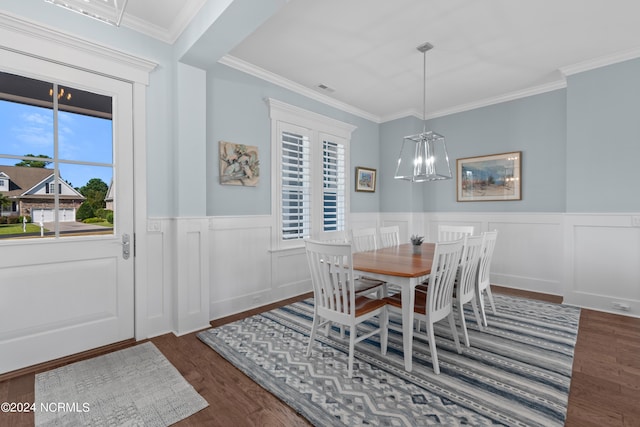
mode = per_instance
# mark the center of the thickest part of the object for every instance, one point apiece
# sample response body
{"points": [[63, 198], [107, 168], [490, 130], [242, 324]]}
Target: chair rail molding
{"points": [[591, 260]]}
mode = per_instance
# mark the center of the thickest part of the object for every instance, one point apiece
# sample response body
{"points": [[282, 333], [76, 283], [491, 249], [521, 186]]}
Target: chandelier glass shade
{"points": [[107, 11], [423, 157]]}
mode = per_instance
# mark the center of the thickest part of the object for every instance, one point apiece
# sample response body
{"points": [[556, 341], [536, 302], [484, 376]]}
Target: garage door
{"points": [[47, 215]]}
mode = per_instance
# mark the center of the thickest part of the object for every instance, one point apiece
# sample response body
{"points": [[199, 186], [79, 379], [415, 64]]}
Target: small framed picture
{"points": [[365, 179]]}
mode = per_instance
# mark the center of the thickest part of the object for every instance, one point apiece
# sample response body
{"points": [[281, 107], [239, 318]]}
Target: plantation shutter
{"points": [[296, 186], [333, 186]]}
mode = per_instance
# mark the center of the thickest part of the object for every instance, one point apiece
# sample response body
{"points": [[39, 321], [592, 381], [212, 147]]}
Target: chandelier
{"points": [[423, 157], [107, 11]]}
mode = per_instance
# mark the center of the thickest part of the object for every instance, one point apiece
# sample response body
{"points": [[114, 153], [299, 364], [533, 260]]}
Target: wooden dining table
{"points": [[398, 265]]}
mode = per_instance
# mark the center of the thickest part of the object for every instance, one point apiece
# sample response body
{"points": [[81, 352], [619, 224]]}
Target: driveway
{"points": [[72, 227]]}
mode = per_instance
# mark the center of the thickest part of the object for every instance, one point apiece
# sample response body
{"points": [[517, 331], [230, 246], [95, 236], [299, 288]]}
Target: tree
{"points": [[84, 211], [94, 191], [35, 163], [4, 201]]}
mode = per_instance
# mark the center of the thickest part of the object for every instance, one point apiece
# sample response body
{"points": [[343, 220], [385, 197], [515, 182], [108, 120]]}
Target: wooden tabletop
{"points": [[396, 260]]}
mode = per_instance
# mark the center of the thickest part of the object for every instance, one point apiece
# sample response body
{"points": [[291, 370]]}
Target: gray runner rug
{"points": [[136, 386], [516, 373]]}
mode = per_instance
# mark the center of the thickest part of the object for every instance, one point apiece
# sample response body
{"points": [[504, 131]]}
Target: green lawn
{"points": [[17, 228], [35, 228], [103, 224]]}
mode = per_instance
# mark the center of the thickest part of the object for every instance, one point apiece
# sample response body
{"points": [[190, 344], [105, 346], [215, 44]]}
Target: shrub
{"points": [[3, 219], [110, 217], [93, 220], [21, 218], [84, 211], [12, 220]]}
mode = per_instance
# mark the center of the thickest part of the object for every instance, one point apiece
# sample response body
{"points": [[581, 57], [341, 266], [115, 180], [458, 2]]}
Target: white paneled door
{"points": [[63, 293]]}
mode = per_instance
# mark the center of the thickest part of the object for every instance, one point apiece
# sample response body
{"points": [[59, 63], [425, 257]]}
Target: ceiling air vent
{"points": [[325, 88]]}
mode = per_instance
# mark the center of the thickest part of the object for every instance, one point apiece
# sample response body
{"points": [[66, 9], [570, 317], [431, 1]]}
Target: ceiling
{"points": [[365, 52]]}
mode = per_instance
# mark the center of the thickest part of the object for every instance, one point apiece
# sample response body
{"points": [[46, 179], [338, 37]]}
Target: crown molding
{"points": [[401, 115], [511, 96], [560, 83], [166, 35], [602, 61], [147, 29], [38, 40], [261, 73]]}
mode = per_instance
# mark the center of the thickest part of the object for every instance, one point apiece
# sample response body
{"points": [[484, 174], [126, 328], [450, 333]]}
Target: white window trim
{"points": [[318, 126]]}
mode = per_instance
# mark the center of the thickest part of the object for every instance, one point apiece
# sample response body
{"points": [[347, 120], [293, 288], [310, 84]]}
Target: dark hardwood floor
{"points": [[605, 384]]}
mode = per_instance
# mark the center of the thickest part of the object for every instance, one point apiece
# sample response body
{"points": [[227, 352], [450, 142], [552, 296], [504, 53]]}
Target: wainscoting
{"points": [[201, 269]]}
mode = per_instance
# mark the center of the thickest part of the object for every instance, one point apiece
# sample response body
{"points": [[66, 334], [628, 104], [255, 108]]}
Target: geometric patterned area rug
{"points": [[136, 386], [517, 371]]}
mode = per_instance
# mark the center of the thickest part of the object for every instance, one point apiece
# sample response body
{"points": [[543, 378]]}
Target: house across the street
{"points": [[32, 190]]}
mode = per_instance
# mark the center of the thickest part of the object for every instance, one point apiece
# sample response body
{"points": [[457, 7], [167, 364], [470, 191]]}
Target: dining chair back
{"points": [[453, 232], [437, 303], [389, 236], [335, 299], [465, 288], [338, 236], [364, 239], [483, 284]]}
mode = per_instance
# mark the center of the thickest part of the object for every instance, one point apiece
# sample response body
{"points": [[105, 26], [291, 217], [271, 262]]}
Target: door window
{"points": [[56, 160]]}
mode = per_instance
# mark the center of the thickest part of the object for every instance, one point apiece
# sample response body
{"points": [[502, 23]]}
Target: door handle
{"points": [[126, 246]]}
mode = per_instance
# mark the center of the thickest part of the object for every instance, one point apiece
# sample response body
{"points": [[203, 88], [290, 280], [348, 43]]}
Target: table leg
{"points": [[408, 300]]}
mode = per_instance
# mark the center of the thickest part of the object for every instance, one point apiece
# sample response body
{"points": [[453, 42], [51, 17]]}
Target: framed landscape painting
{"points": [[489, 178], [365, 179]]}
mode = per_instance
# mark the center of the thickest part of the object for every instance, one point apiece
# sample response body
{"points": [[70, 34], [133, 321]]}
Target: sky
{"points": [[26, 129]]}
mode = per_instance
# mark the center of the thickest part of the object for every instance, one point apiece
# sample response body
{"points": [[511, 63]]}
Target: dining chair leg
{"points": [[493, 304], [384, 331], [481, 305], [476, 314], [454, 331], [352, 348], [312, 336], [463, 323], [432, 348]]}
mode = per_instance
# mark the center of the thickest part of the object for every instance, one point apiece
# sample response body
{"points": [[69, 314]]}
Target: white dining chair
{"points": [[389, 236], [335, 298], [437, 303], [364, 285], [483, 284], [466, 279], [364, 239], [453, 232], [338, 236]]}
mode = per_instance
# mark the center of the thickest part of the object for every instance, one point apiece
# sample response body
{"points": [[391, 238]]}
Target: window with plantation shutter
{"points": [[296, 186], [333, 186], [310, 160]]}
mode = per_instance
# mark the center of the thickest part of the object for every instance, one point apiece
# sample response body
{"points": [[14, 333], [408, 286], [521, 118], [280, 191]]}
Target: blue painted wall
{"points": [[237, 112], [535, 125], [603, 139], [398, 195]]}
